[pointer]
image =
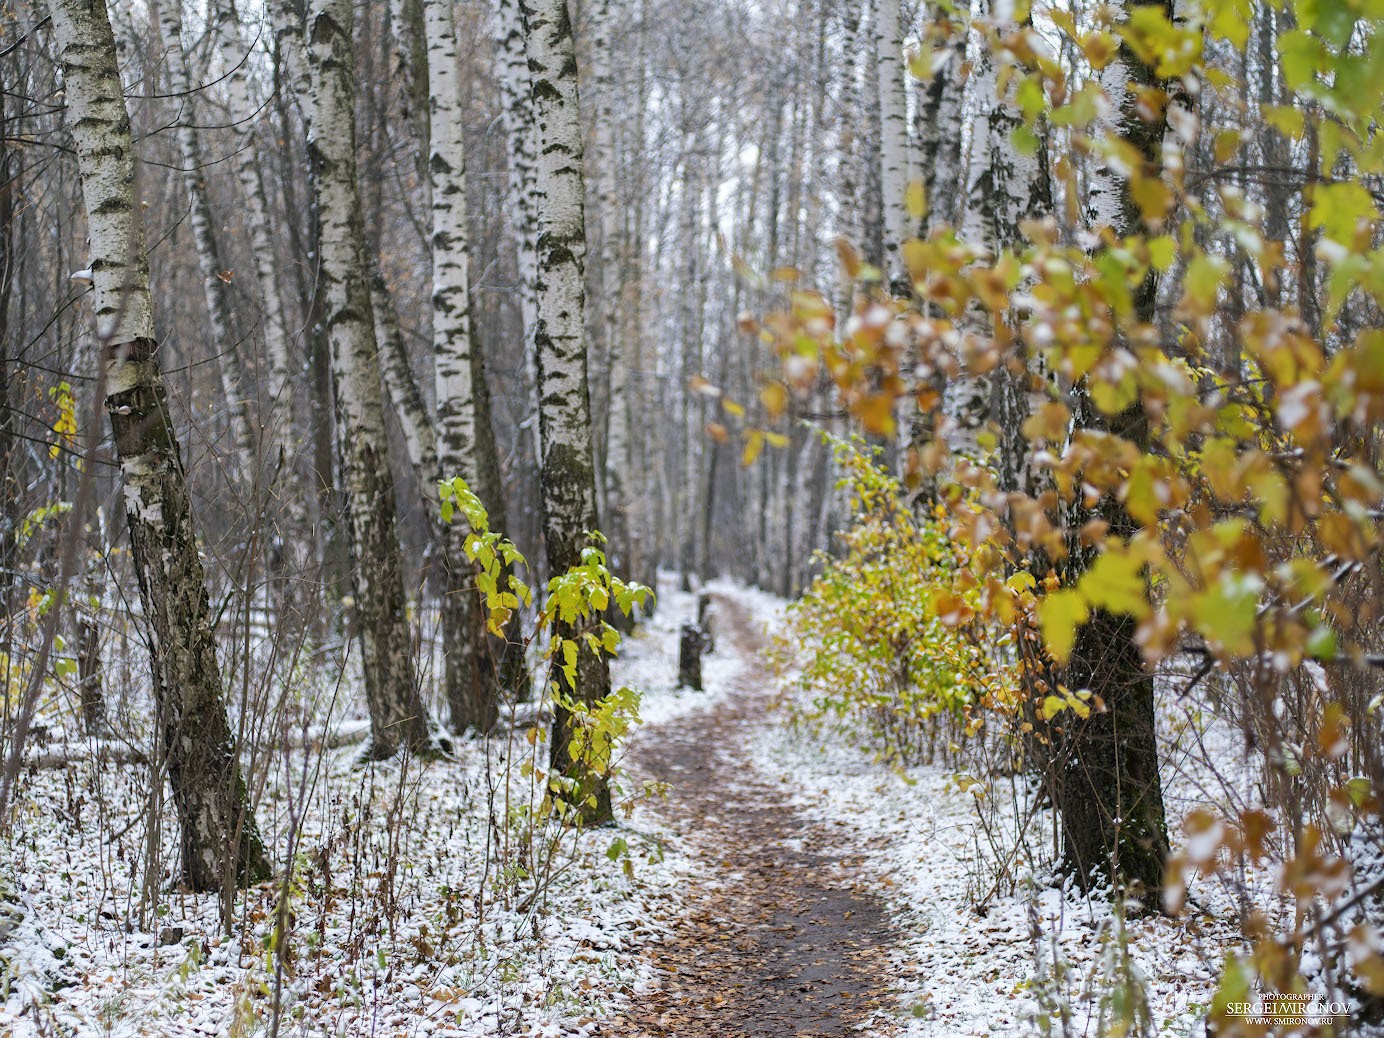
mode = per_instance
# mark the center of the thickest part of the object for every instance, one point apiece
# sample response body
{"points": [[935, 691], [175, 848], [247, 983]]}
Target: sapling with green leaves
{"points": [[578, 785]]}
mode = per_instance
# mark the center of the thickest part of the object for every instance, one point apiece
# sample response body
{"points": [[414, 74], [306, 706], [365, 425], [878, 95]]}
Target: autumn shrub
{"points": [[887, 637]]}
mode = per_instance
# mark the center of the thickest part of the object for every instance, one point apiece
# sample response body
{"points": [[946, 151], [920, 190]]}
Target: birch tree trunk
{"points": [[633, 454], [405, 396], [848, 138], [397, 715], [609, 293], [216, 279], [219, 841], [406, 25], [470, 678], [567, 478], [893, 122], [1004, 187], [278, 416], [940, 131], [521, 133]]}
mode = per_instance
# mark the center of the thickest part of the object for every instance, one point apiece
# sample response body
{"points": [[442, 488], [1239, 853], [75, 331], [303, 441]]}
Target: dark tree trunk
{"points": [[1105, 785], [218, 834], [9, 481], [89, 678]]}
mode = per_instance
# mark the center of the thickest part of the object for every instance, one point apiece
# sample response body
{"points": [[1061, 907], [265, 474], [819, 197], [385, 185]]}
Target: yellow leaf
{"points": [[1115, 582], [1227, 144], [774, 397], [1021, 581], [950, 608], [754, 444], [1152, 197], [1059, 615], [915, 199], [876, 413], [1287, 121]]}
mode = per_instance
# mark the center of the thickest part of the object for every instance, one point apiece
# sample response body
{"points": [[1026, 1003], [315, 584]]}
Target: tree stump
{"points": [[691, 642]]}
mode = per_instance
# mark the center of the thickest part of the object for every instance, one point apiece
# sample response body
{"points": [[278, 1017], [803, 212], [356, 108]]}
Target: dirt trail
{"points": [[783, 941]]}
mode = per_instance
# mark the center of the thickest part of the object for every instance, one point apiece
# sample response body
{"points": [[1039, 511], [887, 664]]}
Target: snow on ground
{"points": [[419, 902], [649, 658], [1034, 949], [423, 901]]}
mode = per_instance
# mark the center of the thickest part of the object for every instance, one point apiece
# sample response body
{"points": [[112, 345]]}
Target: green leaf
{"points": [[1321, 644], [1301, 55], [1227, 612], [1162, 253], [1230, 20], [1339, 210], [1234, 987], [1358, 790]]}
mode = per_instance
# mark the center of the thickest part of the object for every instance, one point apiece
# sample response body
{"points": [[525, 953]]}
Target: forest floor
{"points": [[823, 891], [781, 936], [789, 883]]}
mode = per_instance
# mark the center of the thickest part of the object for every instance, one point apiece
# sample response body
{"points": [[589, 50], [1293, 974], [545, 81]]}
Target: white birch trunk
{"points": [[470, 677], [893, 119], [568, 478], [416, 424], [216, 288], [1105, 204], [405, 18], [940, 130], [521, 133], [219, 840], [397, 715], [248, 159], [1003, 186], [605, 283], [287, 24]]}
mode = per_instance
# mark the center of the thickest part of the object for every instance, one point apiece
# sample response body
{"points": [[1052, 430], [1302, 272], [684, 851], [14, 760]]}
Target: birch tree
{"points": [[1004, 187], [607, 289], [277, 416], [567, 476], [940, 128], [459, 379], [216, 279], [219, 841], [521, 134], [397, 715], [893, 119]]}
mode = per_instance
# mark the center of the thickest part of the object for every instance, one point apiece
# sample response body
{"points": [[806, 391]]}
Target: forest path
{"points": [[782, 939]]}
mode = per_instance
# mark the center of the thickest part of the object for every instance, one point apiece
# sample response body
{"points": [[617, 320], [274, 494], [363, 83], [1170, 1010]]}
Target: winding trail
{"points": [[784, 939]]}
